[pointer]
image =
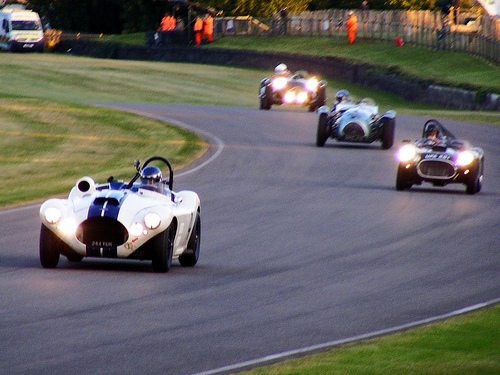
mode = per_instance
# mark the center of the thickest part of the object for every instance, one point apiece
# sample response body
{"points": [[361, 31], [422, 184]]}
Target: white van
{"points": [[20, 30]]}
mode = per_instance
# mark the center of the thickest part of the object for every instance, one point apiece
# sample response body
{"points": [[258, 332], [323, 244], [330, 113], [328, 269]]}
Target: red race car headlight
{"points": [[279, 83], [289, 97], [311, 84], [301, 97]]}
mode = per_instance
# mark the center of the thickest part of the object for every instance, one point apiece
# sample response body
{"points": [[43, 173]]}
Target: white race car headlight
{"points": [[406, 153], [311, 84], [152, 220], [464, 158], [52, 215], [67, 226], [136, 229], [279, 83]]}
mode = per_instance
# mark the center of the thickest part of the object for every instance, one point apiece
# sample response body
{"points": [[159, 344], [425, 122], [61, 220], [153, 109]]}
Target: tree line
{"points": [[117, 16]]}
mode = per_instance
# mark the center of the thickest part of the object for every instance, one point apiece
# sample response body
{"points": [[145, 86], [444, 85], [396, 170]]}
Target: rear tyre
{"points": [[162, 250], [49, 248], [388, 133], [322, 133], [190, 256]]}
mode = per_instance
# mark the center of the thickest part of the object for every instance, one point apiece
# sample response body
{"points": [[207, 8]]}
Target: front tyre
{"points": [[190, 256], [265, 99], [474, 185], [49, 248], [402, 180], [322, 133], [163, 245], [320, 99]]}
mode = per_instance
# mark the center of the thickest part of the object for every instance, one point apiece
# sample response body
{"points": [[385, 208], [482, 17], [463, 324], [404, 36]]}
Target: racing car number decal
{"points": [[101, 244], [437, 156]]}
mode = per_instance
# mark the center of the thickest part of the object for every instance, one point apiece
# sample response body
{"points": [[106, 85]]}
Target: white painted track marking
{"points": [[331, 344]]}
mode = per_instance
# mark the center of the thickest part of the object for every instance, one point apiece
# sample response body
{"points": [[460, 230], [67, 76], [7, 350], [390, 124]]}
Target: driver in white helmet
{"points": [[281, 70]]}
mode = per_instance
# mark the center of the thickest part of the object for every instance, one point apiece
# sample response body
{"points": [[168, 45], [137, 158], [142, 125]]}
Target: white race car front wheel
{"points": [[162, 249], [49, 248]]}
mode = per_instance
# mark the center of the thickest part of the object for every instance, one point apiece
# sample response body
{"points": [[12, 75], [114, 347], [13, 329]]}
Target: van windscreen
{"points": [[26, 25]]}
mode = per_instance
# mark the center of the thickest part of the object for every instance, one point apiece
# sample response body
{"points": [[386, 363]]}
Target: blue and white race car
{"points": [[357, 122], [142, 219]]}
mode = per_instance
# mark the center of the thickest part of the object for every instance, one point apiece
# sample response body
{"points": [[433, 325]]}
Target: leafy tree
{"points": [[93, 16], [372, 4], [257, 8], [116, 16]]}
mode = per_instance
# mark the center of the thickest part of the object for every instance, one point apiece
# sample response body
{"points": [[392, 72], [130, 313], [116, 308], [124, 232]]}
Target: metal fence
{"points": [[461, 32]]}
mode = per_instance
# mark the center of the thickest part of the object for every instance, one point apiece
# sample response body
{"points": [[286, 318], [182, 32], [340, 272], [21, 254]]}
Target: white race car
{"points": [[141, 219]]}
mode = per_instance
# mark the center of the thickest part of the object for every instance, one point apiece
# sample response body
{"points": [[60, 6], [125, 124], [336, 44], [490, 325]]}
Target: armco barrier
{"points": [[374, 77]]}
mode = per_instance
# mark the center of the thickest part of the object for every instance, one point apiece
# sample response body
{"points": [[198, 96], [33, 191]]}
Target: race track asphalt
{"points": [[301, 246]]}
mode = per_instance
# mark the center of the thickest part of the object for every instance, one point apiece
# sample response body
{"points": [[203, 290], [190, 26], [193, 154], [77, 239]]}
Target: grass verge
{"points": [[444, 66], [80, 79], [46, 145], [464, 345]]}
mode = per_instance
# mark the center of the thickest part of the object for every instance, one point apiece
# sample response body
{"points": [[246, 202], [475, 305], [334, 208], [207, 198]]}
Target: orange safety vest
{"points": [[198, 25], [167, 23], [163, 24], [352, 23], [172, 23], [208, 25]]}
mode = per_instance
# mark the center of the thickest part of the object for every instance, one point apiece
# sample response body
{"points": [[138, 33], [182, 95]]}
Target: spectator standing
{"points": [[208, 29], [284, 20], [456, 11], [198, 30], [167, 23], [364, 5], [351, 26]]}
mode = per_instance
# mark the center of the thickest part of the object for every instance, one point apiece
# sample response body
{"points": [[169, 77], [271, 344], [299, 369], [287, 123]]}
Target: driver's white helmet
{"points": [[281, 68]]}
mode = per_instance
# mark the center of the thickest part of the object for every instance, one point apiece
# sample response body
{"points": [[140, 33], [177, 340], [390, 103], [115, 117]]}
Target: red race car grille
{"points": [[436, 169], [102, 232]]}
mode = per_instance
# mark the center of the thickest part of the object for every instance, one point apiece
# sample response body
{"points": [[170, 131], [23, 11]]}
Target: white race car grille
{"points": [[436, 169], [102, 232]]}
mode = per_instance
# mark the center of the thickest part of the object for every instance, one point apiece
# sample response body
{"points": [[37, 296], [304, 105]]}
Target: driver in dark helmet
{"points": [[431, 136], [151, 178]]}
